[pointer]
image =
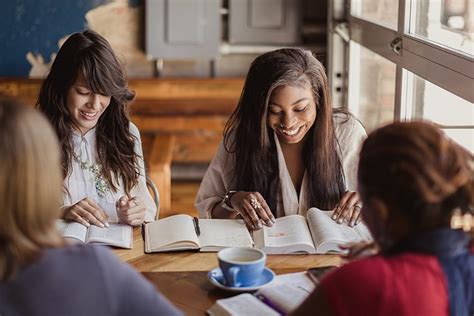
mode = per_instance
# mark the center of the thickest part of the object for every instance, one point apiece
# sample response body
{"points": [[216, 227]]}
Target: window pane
{"points": [[453, 113], [449, 23], [384, 12], [371, 87]]}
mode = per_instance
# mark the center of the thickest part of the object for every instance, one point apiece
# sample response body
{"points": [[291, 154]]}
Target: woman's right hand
{"points": [[253, 208], [86, 212]]}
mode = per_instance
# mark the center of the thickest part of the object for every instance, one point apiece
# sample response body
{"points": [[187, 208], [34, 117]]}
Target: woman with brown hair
{"points": [[39, 274], [284, 148], [85, 96], [412, 179]]}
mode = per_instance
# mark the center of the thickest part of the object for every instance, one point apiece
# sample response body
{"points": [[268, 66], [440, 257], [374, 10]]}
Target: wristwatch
{"points": [[225, 203]]}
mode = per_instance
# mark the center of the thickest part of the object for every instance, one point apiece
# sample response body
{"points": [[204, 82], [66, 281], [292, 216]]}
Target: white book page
{"points": [[289, 234], [243, 304], [328, 235], [221, 233], [287, 291], [119, 235], [171, 233], [72, 230]]}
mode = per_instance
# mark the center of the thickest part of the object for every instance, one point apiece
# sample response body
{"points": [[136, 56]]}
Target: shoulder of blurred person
{"points": [[405, 284], [86, 280]]}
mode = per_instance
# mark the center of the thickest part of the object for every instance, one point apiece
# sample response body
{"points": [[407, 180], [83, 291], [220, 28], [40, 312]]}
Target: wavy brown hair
{"points": [[90, 55], [30, 187], [247, 135], [418, 172]]}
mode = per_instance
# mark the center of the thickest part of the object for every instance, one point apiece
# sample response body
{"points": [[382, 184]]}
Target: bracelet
{"points": [[225, 203]]}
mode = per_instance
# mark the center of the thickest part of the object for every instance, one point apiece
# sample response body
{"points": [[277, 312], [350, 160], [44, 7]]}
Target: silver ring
{"points": [[358, 206], [255, 204]]}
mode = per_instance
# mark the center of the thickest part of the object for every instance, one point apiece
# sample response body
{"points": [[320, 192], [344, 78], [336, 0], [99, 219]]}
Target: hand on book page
{"points": [[317, 233], [289, 234], [117, 235], [328, 236]]}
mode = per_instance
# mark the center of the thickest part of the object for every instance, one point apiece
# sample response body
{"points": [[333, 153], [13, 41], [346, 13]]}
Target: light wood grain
{"points": [[159, 169], [183, 195], [156, 96], [200, 261], [194, 110]]}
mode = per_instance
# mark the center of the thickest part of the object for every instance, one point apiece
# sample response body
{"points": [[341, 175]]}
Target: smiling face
{"points": [[85, 106], [291, 113]]}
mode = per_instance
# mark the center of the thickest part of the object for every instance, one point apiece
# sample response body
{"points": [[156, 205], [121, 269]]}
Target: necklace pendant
{"points": [[101, 186]]}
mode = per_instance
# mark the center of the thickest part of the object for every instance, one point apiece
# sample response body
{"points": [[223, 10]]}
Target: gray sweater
{"points": [[81, 280]]}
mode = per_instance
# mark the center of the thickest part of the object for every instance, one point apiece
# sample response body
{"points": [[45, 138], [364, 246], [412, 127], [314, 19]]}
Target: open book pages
{"points": [[287, 291], [318, 233], [328, 235], [243, 304], [282, 296], [118, 235], [178, 232], [290, 234]]}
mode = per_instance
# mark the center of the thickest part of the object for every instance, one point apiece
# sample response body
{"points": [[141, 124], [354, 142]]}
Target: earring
{"points": [[281, 125]]}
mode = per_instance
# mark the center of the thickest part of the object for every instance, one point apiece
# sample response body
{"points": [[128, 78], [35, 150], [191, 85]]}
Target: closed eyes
{"points": [[298, 110]]}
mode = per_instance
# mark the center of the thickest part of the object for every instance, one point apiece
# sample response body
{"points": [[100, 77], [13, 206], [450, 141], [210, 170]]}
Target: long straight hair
{"points": [[247, 135], [90, 55], [30, 187]]}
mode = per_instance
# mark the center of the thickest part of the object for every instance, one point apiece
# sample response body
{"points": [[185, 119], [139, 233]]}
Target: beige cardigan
{"points": [[216, 181]]}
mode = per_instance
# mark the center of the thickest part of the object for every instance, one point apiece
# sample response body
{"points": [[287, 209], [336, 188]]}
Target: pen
{"points": [[196, 226], [270, 304]]}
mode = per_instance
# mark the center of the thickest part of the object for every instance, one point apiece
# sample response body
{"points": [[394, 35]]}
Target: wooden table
{"points": [[182, 276], [191, 292], [201, 261]]}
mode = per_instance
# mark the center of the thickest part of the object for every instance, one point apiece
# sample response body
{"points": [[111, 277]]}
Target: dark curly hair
{"points": [[417, 171]]}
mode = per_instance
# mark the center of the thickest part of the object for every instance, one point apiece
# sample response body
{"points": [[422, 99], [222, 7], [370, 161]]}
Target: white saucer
{"points": [[215, 277]]}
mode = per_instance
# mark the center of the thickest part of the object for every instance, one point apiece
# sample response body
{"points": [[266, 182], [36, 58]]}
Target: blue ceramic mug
{"points": [[241, 267]]}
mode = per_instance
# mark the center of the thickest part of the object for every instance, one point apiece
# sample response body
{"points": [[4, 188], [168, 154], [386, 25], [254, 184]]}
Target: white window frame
{"points": [[444, 67]]}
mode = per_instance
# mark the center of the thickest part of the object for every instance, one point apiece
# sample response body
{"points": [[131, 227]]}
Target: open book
{"points": [[179, 232], [118, 235], [280, 297], [317, 233]]}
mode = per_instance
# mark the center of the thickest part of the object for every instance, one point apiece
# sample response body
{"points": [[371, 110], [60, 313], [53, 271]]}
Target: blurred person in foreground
{"points": [[39, 273], [412, 179]]}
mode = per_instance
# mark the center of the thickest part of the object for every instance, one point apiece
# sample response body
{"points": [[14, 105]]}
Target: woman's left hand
{"points": [[131, 211], [348, 208]]}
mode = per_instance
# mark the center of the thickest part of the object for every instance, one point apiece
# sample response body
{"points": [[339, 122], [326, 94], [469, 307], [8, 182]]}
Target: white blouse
{"points": [[81, 183], [217, 180]]}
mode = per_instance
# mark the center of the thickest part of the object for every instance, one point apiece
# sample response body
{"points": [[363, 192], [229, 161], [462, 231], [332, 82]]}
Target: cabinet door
{"points": [[264, 21], [182, 29]]}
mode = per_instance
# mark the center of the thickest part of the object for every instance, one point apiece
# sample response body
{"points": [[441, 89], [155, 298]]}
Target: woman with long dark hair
{"points": [[284, 149], [85, 96]]}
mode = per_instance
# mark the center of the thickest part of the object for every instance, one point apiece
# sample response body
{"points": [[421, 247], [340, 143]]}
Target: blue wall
{"points": [[36, 26]]}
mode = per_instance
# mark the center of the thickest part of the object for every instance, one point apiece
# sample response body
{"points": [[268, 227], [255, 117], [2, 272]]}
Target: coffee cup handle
{"points": [[233, 271]]}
